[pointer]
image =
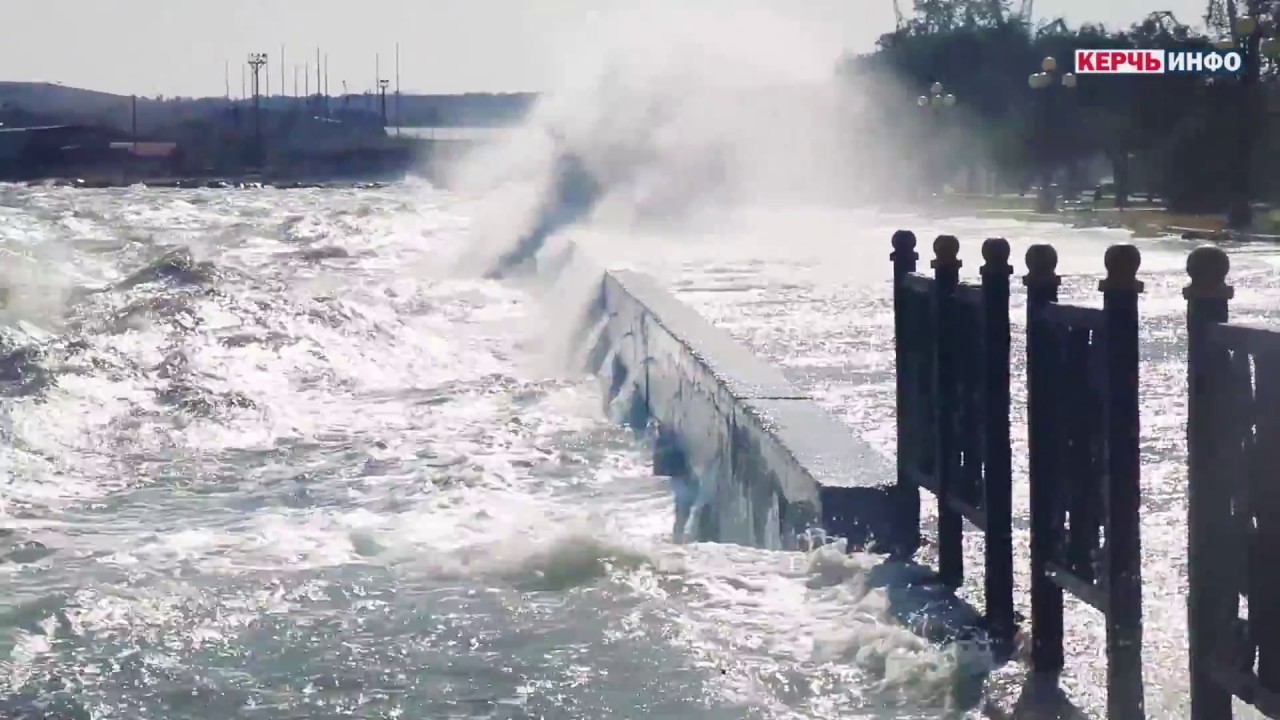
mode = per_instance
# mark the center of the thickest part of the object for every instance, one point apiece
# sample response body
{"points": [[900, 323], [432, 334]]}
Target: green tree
{"points": [[1172, 132]]}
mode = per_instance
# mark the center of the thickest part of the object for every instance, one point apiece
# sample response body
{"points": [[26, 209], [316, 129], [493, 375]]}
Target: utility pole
{"points": [[256, 62], [326, 85], [284, 89], [226, 77]]}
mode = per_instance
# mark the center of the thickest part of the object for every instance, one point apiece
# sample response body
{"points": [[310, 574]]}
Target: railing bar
{"points": [[1092, 594]]}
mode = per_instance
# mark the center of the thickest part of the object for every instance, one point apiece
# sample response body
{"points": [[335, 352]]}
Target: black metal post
{"points": [[998, 463], [907, 541], [937, 180], [1047, 201], [1120, 292], [1240, 215], [1042, 283], [946, 268], [1211, 599]]}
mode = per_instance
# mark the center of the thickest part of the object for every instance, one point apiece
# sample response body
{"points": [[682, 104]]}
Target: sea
{"points": [[267, 454]]}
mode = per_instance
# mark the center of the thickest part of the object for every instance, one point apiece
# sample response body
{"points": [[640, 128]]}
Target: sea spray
{"points": [[574, 193], [688, 120], [676, 116]]}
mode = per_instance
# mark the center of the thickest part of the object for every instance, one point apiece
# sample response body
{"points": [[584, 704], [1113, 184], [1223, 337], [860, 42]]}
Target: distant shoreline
{"points": [[221, 182]]}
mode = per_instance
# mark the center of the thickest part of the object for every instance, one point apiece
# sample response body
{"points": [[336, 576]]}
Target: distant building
{"points": [[146, 149], [147, 159]]}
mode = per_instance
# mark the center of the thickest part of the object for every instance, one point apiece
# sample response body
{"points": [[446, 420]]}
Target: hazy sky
{"points": [[181, 47]]}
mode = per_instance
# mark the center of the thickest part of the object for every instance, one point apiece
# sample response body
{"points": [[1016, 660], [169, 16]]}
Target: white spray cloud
{"points": [[680, 111]]}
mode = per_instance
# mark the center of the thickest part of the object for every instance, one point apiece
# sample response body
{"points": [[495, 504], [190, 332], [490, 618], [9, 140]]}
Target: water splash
{"points": [[672, 115]]}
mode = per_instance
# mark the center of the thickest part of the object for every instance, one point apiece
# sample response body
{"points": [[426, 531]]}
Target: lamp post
{"points": [[256, 62], [933, 105], [1049, 86], [382, 90], [1254, 34]]}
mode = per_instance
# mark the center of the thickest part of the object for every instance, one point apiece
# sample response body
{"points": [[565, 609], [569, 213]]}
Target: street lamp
{"points": [[937, 100], [1254, 35], [1046, 80]]}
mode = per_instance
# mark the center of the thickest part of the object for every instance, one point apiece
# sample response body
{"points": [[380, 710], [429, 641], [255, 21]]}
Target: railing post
{"points": [[907, 535], [1042, 283], [998, 471], [1120, 292], [946, 269], [1211, 599]]}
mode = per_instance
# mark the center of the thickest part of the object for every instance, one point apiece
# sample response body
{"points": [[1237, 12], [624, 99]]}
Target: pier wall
{"points": [[754, 460]]}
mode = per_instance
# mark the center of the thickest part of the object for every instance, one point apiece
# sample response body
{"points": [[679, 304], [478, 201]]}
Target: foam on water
{"points": [[292, 483], [810, 289]]}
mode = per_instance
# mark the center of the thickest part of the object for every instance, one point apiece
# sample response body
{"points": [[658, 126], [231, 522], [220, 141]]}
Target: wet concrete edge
{"points": [[770, 467]]}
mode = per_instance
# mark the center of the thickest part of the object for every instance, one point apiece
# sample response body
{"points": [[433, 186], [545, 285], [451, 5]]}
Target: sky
{"points": [[191, 47]]}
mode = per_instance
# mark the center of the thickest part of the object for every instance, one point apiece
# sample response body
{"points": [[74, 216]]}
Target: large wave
{"points": [[676, 113]]}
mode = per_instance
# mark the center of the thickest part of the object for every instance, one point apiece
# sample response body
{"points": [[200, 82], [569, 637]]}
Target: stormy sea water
{"points": [[263, 456], [810, 289]]}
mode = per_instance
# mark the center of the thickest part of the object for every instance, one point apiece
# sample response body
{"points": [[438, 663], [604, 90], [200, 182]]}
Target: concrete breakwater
{"points": [[755, 461]]}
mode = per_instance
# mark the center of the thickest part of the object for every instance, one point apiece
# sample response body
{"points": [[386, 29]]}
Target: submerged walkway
{"points": [[820, 307]]}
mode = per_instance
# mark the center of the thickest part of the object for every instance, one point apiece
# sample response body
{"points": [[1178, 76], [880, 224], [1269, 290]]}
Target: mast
{"points": [[397, 89]]}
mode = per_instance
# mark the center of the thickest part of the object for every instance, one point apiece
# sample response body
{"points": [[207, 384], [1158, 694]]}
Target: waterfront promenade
{"points": [[820, 307]]}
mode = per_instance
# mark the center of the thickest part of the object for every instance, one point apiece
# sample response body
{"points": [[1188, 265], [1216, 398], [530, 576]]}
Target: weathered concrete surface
{"points": [[767, 466]]}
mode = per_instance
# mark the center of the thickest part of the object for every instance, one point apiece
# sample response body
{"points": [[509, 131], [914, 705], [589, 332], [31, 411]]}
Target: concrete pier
{"points": [[762, 464]]}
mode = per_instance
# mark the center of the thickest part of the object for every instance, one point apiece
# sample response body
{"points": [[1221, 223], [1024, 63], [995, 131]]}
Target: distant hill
{"points": [[51, 99], [52, 102]]}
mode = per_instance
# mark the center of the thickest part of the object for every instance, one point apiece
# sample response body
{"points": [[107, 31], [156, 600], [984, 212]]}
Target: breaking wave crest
{"points": [[308, 471]]}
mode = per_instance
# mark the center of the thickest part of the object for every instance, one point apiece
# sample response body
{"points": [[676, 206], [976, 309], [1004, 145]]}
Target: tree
{"points": [[1174, 132]]}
